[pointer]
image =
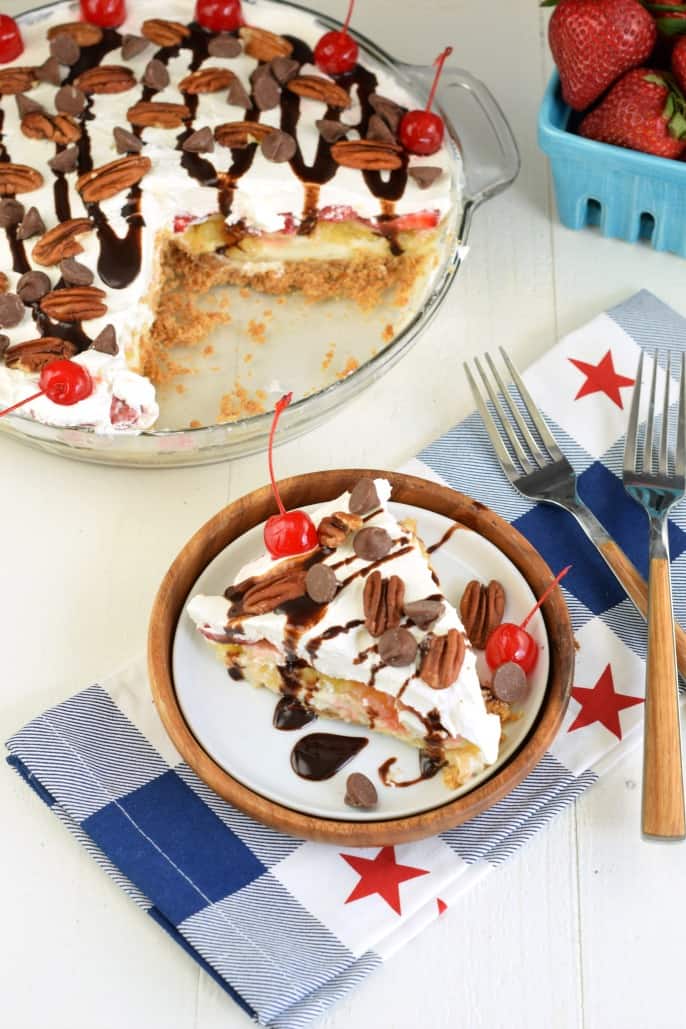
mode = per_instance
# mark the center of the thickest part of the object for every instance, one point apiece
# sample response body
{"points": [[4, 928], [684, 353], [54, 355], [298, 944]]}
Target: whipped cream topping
{"points": [[351, 653], [266, 193]]}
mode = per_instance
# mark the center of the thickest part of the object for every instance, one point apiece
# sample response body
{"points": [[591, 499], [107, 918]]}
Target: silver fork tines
{"points": [[643, 466]]}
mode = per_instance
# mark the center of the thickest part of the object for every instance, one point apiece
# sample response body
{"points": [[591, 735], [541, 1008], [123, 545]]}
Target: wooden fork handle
{"points": [[663, 787], [637, 588]]}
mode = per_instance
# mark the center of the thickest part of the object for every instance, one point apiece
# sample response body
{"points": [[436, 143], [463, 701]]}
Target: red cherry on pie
{"points": [[219, 15], [62, 381], [421, 132], [289, 532], [108, 14], [510, 642], [11, 43], [336, 52]]}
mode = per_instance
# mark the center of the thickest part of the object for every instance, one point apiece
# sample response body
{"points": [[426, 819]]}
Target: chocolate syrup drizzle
{"points": [[119, 260], [430, 765]]}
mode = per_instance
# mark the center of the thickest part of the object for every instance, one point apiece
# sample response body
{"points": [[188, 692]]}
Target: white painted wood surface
{"points": [[585, 926]]}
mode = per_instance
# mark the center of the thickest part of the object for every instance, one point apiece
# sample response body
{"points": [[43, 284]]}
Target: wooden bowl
{"points": [[316, 488]]}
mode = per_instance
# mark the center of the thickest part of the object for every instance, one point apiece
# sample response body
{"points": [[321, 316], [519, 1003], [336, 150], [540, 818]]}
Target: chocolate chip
{"points": [[278, 146], [200, 142], [321, 583], [11, 212], [397, 648], [224, 45], [65, 49], [265, 88], [424, 612], [65, 161], [32, 286], [126, 142], [379, 130], [106, 341], [49, 71], [510, 683], [70, 100], [31, 225], [331, 131], [360, 792], [424, 175], [156, 75], [74, 273], [364, 497], [238, 95], [25, 105], [372, 543], [4, 344], [11, 310], [387, 109], [284, 69], [132, 46]]}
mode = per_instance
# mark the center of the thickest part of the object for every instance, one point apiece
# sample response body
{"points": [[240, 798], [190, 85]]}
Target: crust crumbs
{"points": [[257, 331], [387, 334], [240, 403], [351, 365], [328, 357]]}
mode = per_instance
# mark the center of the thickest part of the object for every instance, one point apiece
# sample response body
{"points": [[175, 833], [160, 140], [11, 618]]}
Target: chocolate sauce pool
{"points": [[290, 713], [320, 755]]}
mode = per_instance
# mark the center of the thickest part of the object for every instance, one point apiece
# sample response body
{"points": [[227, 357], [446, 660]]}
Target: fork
{"points": [[657, 491], [544, 474]]}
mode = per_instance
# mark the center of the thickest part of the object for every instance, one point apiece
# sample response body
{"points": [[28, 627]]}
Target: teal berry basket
{"points": [[629, 195]]}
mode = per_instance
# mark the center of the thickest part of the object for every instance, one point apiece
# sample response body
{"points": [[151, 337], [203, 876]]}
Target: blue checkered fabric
{"points": [[272, 918]]}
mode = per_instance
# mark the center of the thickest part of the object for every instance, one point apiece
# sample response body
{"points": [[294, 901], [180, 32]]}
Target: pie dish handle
{"points": [[479, 128]]}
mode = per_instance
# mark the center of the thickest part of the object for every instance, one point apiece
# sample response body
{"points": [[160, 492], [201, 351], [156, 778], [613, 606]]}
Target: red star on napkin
{"points": [[381, 875], [601, 704], [602, 378]]}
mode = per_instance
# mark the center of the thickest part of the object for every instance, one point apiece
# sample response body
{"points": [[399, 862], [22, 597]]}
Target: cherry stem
{"points": [[20, 403], [279, 406], [546, 593], [440, 61], [348, 16]]}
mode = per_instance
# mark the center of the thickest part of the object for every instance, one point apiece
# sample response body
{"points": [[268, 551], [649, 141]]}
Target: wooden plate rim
{"points": [[319, 487]]}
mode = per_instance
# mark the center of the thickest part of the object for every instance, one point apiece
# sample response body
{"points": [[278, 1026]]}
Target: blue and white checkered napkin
{"points": [[288, 927]]}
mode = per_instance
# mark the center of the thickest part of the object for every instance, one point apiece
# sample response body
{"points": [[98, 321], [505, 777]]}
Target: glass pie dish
{"points": [[340, 348]]}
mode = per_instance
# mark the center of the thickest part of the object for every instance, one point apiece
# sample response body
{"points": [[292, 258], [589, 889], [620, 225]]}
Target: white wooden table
{"points": [[583, 927]]}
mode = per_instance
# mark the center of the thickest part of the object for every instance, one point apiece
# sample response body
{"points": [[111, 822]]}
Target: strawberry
{"points": [[594, 42], [414, 221], [679, 62], [644, 111]]}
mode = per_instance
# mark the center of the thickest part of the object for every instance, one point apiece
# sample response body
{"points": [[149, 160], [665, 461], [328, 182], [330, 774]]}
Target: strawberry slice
{"points": [[182, 221], [413, 222], [121, 413]]}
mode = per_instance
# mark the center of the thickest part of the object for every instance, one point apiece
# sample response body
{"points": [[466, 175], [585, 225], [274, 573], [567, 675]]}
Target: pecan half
{"points": [[316, 88], [18, 178], [270, 594], [238, 134], [4, 283], [366, 155], [481, 610], [59, 128], [206, 80], [32, 355], [82, 32], [163, 32], [334, 529], [163, 116], [110, 179], [442, 660], [106, 78], [60, 241], [383, 603], [74, 304], [16, 80], [264, 45]]}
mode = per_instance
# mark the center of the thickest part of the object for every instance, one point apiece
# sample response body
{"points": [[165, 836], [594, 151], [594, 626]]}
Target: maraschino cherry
{"points": [[289, 532], [510, 642], [421, 132], [219, 15], [11, 43], [108, 14], [62, 381], [336, 52]]}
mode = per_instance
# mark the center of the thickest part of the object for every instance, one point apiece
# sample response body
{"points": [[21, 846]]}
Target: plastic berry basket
{"points": [[629, 195]]}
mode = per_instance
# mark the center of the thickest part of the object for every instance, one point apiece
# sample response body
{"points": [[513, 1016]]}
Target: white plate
{"points": [[233, 720]]}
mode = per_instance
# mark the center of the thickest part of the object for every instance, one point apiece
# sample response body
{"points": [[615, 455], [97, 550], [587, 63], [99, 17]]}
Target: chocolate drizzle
{"points": [[290, 713], [448, 534], [319, 755], [430, 765]]}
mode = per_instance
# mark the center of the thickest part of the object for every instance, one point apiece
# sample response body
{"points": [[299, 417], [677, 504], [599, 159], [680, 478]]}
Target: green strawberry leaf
{"points": [[549, 3], [671, 26], [665, 8]]}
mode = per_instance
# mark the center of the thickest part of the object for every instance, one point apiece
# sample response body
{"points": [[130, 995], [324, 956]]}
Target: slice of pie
{"points": [[359, 630], [164, 159]]}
